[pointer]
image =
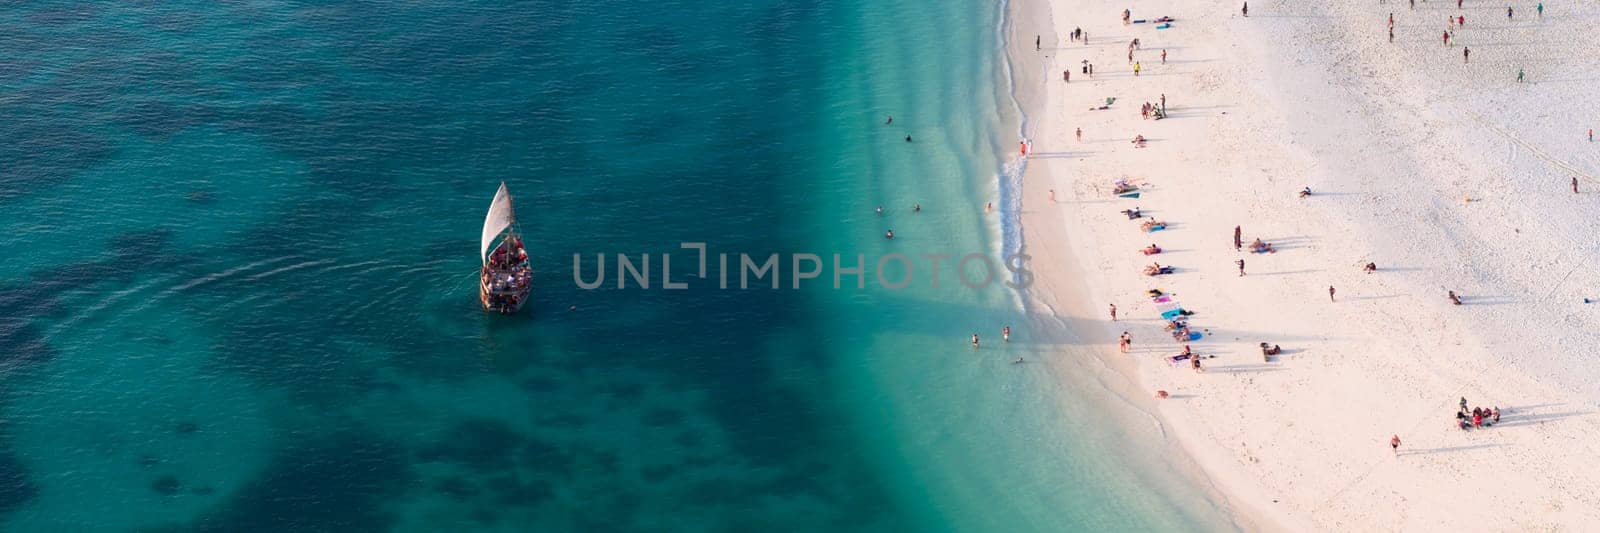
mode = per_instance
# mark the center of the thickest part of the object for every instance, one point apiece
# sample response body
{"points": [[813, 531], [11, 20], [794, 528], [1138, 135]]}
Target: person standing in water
{"points": [[974, 340], [908, 137], [889, 120]]}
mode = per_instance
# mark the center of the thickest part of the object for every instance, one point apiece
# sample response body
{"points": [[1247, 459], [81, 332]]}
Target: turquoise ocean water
{"points": [[237, 289]]}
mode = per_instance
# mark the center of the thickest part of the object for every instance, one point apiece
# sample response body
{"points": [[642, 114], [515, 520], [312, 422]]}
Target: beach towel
{"points": [[1162, 299], [1178, 359], [1164, 26], [1195, 335], [1140, 21], [1169, 315], [1129, 195]]}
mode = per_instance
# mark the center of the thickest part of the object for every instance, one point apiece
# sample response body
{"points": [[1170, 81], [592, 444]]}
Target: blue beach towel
{"points": [[1164, 26], [1195, 335], [1169, 315]]}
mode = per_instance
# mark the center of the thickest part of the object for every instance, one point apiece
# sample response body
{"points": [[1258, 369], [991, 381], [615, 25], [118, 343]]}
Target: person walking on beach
{"points": [[1496, 414], [1066, 75], [1052, 196], [1466, 54], [1413, 5], [1130, 53], [1246, 9], [1541, 9], [1461, 21], [1574, 185], [1330, 293], [1463, 404], [1519, 74], [1447, 38], [1394, 444], [1124, 342], [1086, 38], [1163, 103], [1391, 34], [1458, 4], [1508, 13], [1136, 68], [1241, 267], [1391, 21], [1036, 43], [1238, 243], [1163, 56], [1591, 134], [1113, 312]]}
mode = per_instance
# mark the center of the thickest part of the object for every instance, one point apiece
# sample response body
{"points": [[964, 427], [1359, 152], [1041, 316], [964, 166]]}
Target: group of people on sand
{"points": [[1479, 417]]}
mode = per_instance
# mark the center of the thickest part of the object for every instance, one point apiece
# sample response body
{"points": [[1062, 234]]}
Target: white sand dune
{"points": [[1447, 175]]}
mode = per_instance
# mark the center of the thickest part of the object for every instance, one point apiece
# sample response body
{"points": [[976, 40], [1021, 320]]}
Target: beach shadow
{"points": [[1383, 269], [1284, 273], [1245, 368], [1528, 420], [1448, 449], [1384, 297], [1057, 155], [1487, 300]]}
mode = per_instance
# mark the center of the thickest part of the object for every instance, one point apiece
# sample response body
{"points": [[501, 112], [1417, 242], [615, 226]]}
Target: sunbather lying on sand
{"points": [[1133, 213], [1152, 225], [1261, 247], [1155, 269], [1138, 141], [1152, 250]]}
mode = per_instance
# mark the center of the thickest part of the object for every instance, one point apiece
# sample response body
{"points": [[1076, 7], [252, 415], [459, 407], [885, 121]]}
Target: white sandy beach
{"points": [[1449, 175]]}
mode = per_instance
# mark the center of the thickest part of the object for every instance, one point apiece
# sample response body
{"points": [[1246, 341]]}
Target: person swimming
{"points": [[974, 340], [916, 208], [888, 234], [880, 210], [1005, 334], [908, 138]]}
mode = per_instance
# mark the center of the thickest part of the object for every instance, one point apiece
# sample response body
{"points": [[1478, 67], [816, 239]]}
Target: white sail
{"points": [[499, 218]]}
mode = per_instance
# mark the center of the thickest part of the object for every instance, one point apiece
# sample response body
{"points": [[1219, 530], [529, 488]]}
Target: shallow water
{"points": [[238, 292]]}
